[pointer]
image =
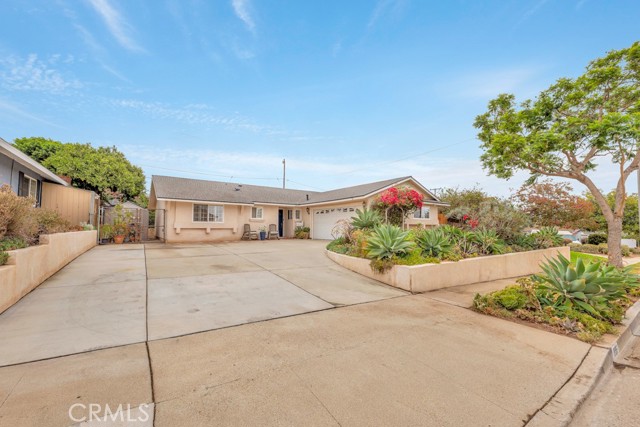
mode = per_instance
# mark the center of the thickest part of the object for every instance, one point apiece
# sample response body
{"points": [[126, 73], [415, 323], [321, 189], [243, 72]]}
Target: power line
{"points": [[305, 185], [406, 158]]}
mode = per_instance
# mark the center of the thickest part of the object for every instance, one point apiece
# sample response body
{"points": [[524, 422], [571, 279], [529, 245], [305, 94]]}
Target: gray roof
{"points": [[13, 153], [174, 188]]}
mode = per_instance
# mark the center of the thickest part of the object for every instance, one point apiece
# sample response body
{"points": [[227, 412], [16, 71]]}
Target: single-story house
{"points": [[24, 175], [198, 210], [29, 178]]}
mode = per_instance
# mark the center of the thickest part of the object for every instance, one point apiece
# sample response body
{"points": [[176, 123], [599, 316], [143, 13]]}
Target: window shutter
{"points": [[20, 183], [39, 194]]}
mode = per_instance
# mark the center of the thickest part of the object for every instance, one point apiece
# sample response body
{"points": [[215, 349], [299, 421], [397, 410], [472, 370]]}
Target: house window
{"points": [[289, 214], [28, 187], [208, 213], [298, 216], [256, 213], [423, 213]]}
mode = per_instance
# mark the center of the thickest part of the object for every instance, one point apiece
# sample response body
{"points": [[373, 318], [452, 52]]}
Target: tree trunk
{"points": [[613, 241]]}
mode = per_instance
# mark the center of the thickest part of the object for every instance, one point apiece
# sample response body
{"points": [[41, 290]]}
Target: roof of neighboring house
{"points": [[173, 188], [13, 153]]}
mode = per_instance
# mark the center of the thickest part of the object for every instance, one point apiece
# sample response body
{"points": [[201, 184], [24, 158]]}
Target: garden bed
{"points": [[29, 267], [428, 277]]}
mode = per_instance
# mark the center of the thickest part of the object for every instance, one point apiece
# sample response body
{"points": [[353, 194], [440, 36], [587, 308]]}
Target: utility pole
{"points": [[284, 173]]}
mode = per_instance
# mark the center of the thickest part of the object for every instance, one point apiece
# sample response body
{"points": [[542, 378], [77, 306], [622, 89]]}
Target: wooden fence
{"points": [[73, 204]]}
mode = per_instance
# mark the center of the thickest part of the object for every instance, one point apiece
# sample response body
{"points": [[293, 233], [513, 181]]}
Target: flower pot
{"points": [[118, 239], [263, 235]]}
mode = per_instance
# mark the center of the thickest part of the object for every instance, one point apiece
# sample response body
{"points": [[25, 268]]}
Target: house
{"points": [[28, 178], [24, 175], [198, 210]]}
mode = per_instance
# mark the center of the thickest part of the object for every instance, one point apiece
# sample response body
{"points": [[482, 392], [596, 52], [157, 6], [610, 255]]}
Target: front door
{"points": [[281, 222]]}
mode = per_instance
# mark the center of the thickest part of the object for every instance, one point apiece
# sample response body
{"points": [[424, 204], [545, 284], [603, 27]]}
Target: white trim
{"points": [[193, 207], [256, 209], [32, 182]]}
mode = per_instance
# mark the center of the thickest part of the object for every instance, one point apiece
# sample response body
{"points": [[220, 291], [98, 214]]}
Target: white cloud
{"points": [[33, 74], [15, 111], [384, 8], [117, 25], [242, 9]]}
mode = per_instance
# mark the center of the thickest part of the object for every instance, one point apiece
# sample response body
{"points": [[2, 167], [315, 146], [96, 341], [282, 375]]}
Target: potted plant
{"points": [[263, 232], [106, 233], [120, 230]]}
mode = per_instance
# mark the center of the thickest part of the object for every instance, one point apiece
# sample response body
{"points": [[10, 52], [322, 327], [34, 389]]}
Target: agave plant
{"points": [[433, 242], [366, 219], [586, 287], [489, 243], [547, 237], [388, 241]]}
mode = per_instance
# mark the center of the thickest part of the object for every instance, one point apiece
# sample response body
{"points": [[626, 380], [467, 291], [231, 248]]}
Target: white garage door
{"points": [[325, 219]]}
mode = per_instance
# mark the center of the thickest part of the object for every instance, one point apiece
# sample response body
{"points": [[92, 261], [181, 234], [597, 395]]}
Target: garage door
{"points": [[325, 219]]}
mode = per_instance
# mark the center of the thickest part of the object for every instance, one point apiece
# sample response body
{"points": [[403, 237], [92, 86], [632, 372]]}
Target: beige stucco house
{"points": [[192, 210]]}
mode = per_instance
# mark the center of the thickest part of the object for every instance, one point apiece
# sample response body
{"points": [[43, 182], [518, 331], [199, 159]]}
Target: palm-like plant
{"points": [[366, 219], [388, 241], [433, 242], [586, 287]]}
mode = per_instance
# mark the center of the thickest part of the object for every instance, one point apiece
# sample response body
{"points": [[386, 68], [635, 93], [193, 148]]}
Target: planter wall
{"points": [[29, 267], [428, 277]]}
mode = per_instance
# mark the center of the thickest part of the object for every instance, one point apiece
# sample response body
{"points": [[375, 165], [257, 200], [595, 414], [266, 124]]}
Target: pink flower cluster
{"points": [[471, 222], [405, 198]]}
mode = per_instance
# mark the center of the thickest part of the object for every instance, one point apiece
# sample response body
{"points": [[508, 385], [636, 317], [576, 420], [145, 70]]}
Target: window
{"points": [[298, 216], [256, 213], [289, 214], [208, 213], [28, 187], [423, 213]]}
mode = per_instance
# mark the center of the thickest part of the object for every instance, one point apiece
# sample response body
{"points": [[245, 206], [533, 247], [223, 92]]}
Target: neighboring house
{"points": [[24, 175], [197, 210], [28, 178]]}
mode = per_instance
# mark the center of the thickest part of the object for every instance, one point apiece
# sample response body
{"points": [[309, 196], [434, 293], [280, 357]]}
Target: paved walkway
{"points": [[339, 349]]}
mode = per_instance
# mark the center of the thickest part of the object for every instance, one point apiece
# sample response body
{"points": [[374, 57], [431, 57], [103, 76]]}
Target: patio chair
{"points": [[273, 231], [248, 233]]}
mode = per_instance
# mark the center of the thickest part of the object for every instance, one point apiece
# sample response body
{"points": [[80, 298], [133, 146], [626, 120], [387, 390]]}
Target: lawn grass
{"points": [[585, 257]]}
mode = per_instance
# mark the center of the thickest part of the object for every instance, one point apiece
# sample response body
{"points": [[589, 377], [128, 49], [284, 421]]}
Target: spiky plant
{"points": [[547, 237], [586, 287], [433, 242], [388, 241], [366, 219], [489, 243]]}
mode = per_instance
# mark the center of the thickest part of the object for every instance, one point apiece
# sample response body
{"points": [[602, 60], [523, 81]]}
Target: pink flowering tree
{"points": [[396, 204]]}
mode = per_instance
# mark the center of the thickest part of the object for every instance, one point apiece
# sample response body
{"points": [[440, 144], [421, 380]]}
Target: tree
{"points": [[104, 170], [475, 208], [38, 148], [629, 220], [568, 128], [550, 203]]}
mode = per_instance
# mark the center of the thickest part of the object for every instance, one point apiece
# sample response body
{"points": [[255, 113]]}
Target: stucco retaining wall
{"points": [[428, 277], [29, 267]]}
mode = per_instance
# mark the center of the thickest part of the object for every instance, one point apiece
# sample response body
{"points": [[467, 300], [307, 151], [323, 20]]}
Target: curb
{"points": [[560, 409]]}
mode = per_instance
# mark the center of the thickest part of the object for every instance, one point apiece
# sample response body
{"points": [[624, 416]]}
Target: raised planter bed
{"points": [[428, 277], [29, 267]]}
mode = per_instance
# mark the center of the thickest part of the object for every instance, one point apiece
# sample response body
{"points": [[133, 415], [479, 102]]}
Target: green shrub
{"points": [[339, 246], [416, 257], [511, 297], [626, 250], [12, 243], [586, 248], [366, 219], [380, 265], [523, 242], [597, 238], [433, 242], [388, 241], [4, 257]]}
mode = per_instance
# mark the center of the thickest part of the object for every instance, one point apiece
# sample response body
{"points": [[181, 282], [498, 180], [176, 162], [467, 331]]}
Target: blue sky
{"points": [[346, 91]]}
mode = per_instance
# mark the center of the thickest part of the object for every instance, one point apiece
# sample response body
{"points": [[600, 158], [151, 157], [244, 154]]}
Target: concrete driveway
{"points": [[150, 327], [117, 295]]}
